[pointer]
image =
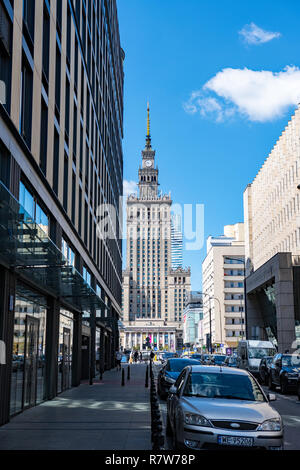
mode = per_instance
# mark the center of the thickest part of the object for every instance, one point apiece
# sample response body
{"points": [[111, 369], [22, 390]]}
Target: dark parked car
{"points": [[264, 369], [230, 361], [168, 374], [284, 372], [218, 359]]}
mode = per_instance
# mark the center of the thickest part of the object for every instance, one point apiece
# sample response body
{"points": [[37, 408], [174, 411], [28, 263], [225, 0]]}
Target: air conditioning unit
{"points": [[4, 30]]}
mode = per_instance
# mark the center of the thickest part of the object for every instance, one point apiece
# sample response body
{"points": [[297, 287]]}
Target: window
{"points": [[43, 137], [68, 252], [46, 42], [26, 102], [55, 162], [5, 58], [65, 188], [32, 207], [86, 275]]}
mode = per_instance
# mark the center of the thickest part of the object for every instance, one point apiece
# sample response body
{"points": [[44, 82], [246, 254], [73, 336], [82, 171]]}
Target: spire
{"points": [[148, 137]]}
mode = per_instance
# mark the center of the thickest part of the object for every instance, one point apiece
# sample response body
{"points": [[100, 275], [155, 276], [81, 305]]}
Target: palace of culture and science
{"points": [[155, 285]]}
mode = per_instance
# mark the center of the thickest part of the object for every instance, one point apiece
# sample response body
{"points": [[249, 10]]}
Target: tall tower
{"points": [[148, 174], [149, 292]]}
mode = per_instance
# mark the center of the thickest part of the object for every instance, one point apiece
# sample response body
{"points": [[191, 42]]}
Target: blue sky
{"points": [[222, 79]]}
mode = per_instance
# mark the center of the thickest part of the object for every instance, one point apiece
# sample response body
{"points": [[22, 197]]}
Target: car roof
{"points": [[220, 369]]}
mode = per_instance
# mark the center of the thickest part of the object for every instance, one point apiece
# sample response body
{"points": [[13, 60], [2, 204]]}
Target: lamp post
{"points": [[213, 298]]}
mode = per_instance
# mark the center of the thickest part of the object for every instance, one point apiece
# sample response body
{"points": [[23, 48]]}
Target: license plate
{"points": [[235, 441]]}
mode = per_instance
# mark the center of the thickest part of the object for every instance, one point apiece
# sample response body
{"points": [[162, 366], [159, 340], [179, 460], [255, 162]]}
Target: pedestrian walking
{"points": [[141, 357], [118, 360], [136, 355], [152, 355]]}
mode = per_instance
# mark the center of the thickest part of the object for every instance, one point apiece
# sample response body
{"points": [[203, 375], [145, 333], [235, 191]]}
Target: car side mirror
{"points": [[272, 397], [173, 390]]}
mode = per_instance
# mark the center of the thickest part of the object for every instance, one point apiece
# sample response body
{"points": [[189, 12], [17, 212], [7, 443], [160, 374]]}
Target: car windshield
{"points": [[259, 353], [221, 385], [176, 365], [292, 360], [196, 356]]}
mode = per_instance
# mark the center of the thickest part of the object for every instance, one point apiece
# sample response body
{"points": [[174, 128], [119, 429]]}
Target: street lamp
{"points": [[213, 298]]}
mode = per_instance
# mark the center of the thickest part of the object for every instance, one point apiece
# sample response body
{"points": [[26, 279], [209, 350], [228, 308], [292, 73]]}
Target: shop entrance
{"points": [[31, 360]]}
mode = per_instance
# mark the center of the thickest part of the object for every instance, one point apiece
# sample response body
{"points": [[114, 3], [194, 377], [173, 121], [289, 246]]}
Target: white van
{"points": [[251, 352]]}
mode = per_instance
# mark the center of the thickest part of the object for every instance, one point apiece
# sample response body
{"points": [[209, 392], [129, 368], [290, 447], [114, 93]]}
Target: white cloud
{"points": [[252, 34], [129, 187], [256, 95]]}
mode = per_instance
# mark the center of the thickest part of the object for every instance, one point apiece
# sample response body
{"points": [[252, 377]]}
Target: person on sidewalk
{"points": [[118, 359], [136, 355], [152, 355], [141, 357]]}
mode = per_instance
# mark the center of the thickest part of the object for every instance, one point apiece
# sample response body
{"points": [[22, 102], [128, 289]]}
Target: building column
{"points": [[77, 351], [52, 333]]}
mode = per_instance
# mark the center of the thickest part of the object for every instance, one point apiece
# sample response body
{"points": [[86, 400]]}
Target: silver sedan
{"points": [[211, 407]]}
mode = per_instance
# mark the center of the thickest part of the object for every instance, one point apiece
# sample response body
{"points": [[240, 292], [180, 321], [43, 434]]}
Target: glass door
{"points": [[30, 361], [66, 360]]}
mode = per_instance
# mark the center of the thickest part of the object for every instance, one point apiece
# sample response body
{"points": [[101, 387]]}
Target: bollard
{"points": [[128, 372], [123, 377], [147, 379]]}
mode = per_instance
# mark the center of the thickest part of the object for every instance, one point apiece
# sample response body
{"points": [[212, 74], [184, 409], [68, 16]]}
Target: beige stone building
{"points": [[272, 236], [154, 294], [223, 289]]}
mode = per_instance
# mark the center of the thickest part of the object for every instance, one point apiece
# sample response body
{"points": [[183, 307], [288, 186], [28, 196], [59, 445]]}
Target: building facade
{"points": [[61, 122], [154, 293], [192, 317], [272, 235], [223, 272]]}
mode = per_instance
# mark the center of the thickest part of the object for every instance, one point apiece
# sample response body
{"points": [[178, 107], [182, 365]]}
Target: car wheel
{"points": [[271, 385], [283, 387], [169, 431]]}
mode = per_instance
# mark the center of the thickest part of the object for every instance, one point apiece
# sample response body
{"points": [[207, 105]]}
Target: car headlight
{"points": [[196, 420], [270, 425], [169, 380]]}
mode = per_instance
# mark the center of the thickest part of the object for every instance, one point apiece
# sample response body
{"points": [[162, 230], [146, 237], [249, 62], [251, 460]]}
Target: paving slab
{"points": [[102, 416]]}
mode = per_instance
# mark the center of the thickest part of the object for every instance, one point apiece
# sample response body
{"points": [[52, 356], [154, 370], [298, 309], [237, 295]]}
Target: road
{"points": [[287, 405]]}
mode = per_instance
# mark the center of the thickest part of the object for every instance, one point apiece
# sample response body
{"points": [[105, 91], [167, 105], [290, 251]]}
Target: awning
{"points": [[26, 247]]}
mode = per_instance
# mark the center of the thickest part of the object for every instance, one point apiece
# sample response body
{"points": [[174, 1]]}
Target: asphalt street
{"points": [[287, 405]]}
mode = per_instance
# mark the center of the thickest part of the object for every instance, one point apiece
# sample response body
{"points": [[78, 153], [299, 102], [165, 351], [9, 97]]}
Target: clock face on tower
{"points": [[148, 163]]}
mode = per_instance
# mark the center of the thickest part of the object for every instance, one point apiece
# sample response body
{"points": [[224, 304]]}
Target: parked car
{"points": [[206, 359], [169, 372], [213, 408], [230, 361], [264, 369], [218, 359], [284, 372], [167, 355]]}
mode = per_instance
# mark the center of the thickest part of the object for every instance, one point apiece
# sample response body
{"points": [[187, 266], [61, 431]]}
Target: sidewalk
{"points": [[104, 416]]}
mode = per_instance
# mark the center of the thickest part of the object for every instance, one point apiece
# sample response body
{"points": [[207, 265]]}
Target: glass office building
{"points": [[61, 130]]}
